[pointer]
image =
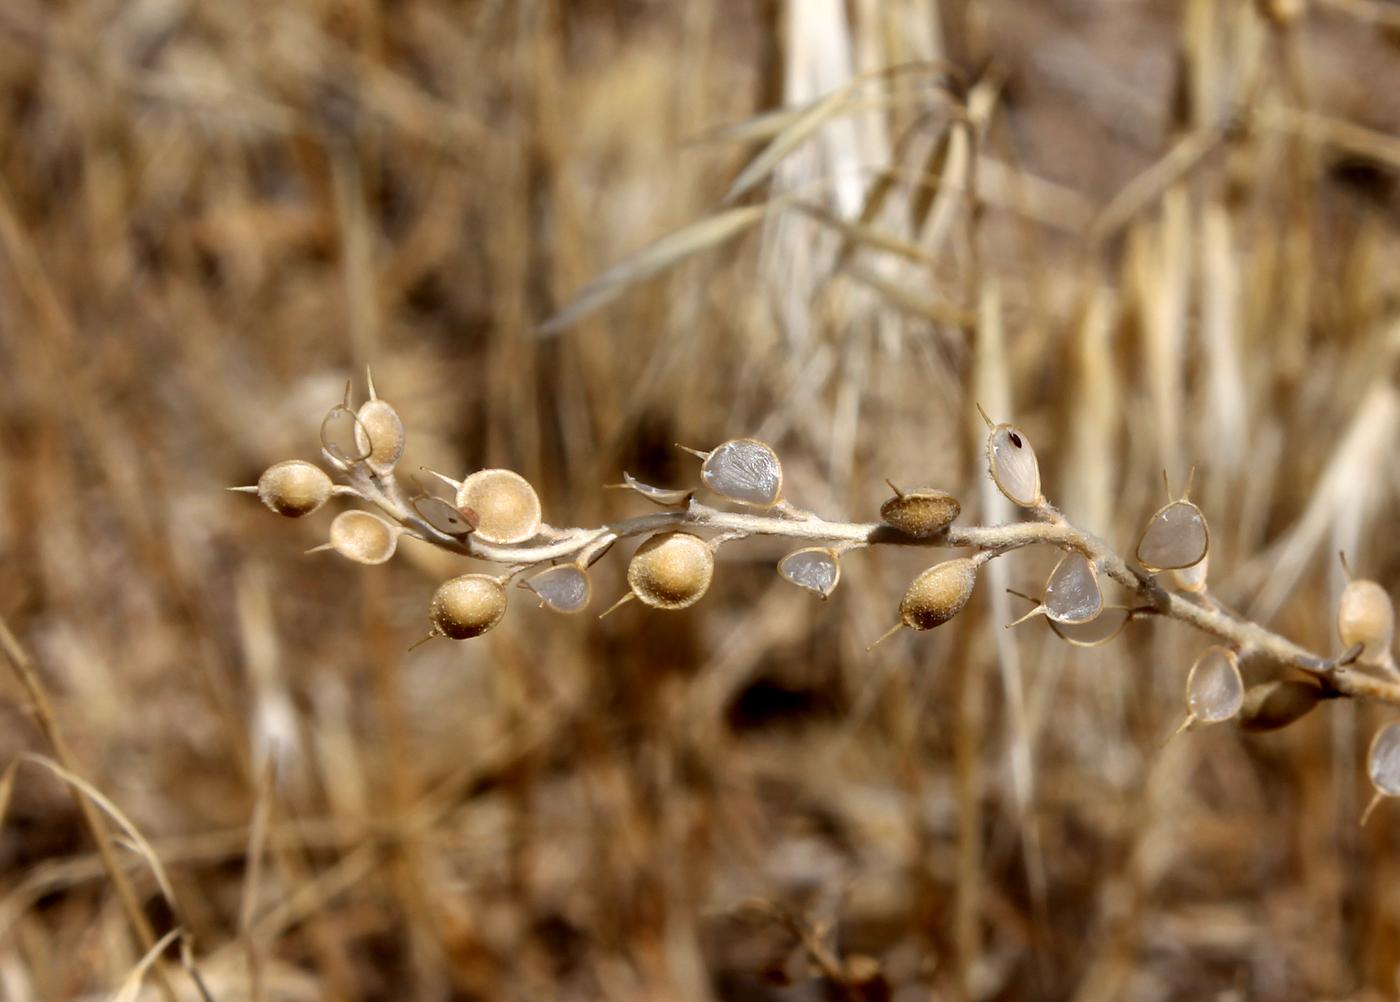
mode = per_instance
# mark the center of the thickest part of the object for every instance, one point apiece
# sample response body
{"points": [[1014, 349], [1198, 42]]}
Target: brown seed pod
{"points": [[363, 538], [1278, 703], [506, 506], [1366, 616], [467, 606], [921, 513], [671, 570], [292, 488], [936, 595]]}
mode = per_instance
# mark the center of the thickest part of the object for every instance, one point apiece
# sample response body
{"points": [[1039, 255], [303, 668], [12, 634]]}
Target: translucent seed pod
{"points": [[657, 495], [1366, 616], [744, 470], [671, 570], [1383, 765], [1072, 594], [293, 488], [816, 568], [1097, 631], [936, 596], [1194, 578], [1278, 703], [566, 588], [1012, 464], [1214, 689], [467, 606], [379, 435], [921, 513], [1176, 537], [363, 538], [343, 441], [506, 506], [445, 517]]}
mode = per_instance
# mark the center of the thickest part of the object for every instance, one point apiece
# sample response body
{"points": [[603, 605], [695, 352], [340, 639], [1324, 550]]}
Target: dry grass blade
{"points": [[131, 984], [665, 253], [794, 135]]}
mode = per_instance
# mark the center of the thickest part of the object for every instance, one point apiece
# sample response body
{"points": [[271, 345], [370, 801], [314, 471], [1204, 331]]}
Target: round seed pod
{"points": [[467, 606], [744, 470], [1176, 537], [1278, 703], [815, 568], [379, 435], [1013, 465], [566, 588], [294, 488], [671, 570], [342, 439], [1193, 578], [1214, 689], [506, 506], [1072, 594], [920, 513], [938, 594], [1366, 616], [363, 538]]}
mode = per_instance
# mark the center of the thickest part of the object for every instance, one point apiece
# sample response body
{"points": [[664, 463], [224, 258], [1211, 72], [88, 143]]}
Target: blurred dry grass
{"points": [[212, 213]]}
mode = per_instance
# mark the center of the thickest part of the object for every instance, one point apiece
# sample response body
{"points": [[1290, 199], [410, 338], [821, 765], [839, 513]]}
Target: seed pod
{"points": [[363, 538], [1193, 578], [815, 568], [936, 596], [467, 606], [445, 517], [744, 470], [506, 506], [1366, 616], [293, 488], [657, 495], [1214, 689], [1072, 594], [1097, 631], [1176, 537], [921, 513], [566, 588], [1012, 463], [1278, 703], [671, 570], [1383, 761], [343, 441], [379, 435]]}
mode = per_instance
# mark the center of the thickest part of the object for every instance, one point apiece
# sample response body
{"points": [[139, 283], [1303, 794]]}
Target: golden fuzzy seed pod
{"points": [[671, 570], [363, 538], [938, 594], [922, 512], [1366, 616], [294, 488], [379, 435], [1278, 703], [506, 506], [467, 606]]}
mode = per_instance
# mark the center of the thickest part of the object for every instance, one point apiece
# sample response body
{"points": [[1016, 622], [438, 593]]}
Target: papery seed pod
{"points": [[344, 443], [444, 516], [1097, 631], [1278, 703], [1194, 578], [506, 506], [1012, 464], [292, 488], [1214, 689], [566, 588], [671, 570], [1383, 760], [921, 513], [1366, 616], [467, 606], [379, 435], [657, 495], [816, 568], [1175, 537], [1072, 594], [936, 595], [363, 538], [744, 470]]}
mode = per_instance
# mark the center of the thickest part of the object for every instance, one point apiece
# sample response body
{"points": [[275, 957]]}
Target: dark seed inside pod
{"points": [[922, 512]]}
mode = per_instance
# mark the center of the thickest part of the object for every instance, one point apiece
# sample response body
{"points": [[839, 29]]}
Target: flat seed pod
{"points": [[1013, 466], [467, 606], [1383, 761], [658, 495], [1097, 631], [1278, 703], [1175, 537], [815, 568], [1366, 616], [922, 512], [341, 437], [506, 506], [1193, 578], [1072, 594], [1214, 689], [744, 470], [671, 570], [566, 588], [293, 488], [363, 538], [444, 516], [379, 435]]}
